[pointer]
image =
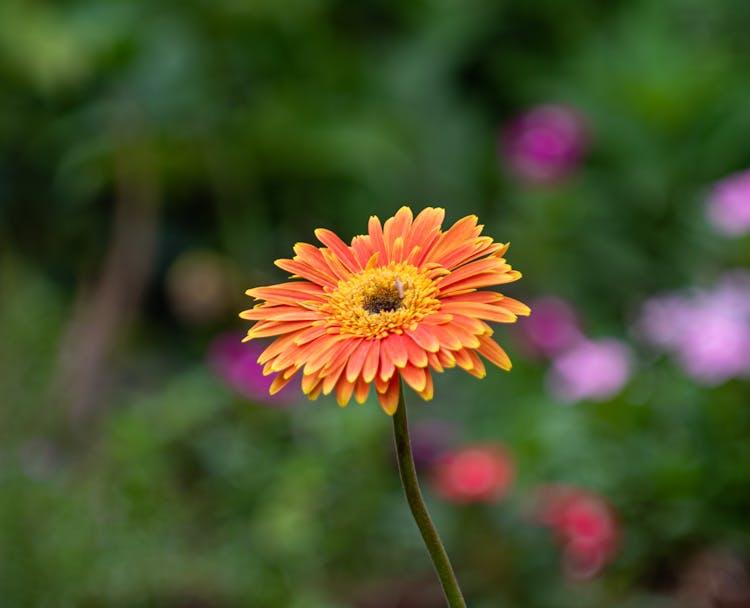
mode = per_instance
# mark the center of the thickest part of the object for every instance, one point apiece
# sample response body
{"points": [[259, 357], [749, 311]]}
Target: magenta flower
{"points": [[237, 365], [552, 328], [585, 526], [544, 144], [479, 473], [728, 205], [707, 331], [593, 369]]}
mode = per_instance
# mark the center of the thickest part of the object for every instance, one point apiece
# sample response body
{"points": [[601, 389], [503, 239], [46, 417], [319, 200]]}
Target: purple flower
{"points": [[728, 206], [552, 327], [545, 144], [593, 369], [236, 363], [707, 331]]}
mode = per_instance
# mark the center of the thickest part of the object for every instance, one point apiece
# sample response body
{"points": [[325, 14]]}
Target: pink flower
{"points": [[707, 331], [551, 328], [716, 350], [237, 365], [545, 144], [585, 526], [593, 369], [663, 320], [728, 206], [480, 473]]}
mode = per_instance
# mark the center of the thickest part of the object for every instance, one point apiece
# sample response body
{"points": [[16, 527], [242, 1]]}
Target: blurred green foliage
{"points": [[241, 127]]}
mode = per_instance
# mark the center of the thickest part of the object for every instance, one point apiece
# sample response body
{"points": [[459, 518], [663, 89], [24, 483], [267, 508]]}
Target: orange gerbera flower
{"points": [[396, 302]]}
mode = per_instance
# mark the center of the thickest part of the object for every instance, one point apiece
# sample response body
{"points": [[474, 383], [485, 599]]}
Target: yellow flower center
{"points": [[382, 300]]}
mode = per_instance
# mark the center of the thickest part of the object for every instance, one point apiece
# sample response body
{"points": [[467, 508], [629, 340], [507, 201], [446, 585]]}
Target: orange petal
{"points": [[290, 371], [375, 232], [427, 392], [424, 338], [335, 265], [339, 356], [437, 318], [397, 226], [277, 347], [319, 275], [344, 390], [389, 399], [322, 355], [416, 377], [446, 358], [361, 390], [515, 306], [308, 254], [469, 324], [489, 312], [292, 293], [480, 247], [492, 351], [417, 354], [481, 297], [477, 369], [486, 279], [308, 335], [470, 270], [446, 338], [362, 249], [394, 347], [264, 329], [397, 253], [370, 366], [278, 383], [280, 313], [463, 360], [462, 231], [332, 376], [357, 360], [339, 248], [387, 366], [434, 362], [466, 338], [309, 382], [425, 230], [315, 390]]}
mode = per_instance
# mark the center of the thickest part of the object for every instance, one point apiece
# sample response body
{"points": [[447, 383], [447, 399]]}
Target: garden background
{"points": [[156, 157]]}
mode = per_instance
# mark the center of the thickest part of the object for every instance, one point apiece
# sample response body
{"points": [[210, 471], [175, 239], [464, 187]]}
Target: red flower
{"points": [[474, 474], [585, 525]]}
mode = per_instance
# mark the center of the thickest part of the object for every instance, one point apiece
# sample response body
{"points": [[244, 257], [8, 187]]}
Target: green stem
{"points": [[419, 509]]}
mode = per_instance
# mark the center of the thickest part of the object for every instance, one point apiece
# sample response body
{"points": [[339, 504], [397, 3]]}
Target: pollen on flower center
{"points": [[381, 300]]}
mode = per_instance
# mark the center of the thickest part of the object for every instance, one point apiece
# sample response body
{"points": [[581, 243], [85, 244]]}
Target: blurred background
{"points": [[156, 157]]}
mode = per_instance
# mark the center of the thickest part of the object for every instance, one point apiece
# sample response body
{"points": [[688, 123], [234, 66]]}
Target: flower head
{"points": [[545, 144], [553, 328], [728, 206], [593, 369], [584, 524], [707, 330], [480, 473], [401, 299]]}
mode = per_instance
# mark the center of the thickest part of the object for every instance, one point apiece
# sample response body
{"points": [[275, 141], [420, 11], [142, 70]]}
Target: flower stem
{"points": [[419, 510]]}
